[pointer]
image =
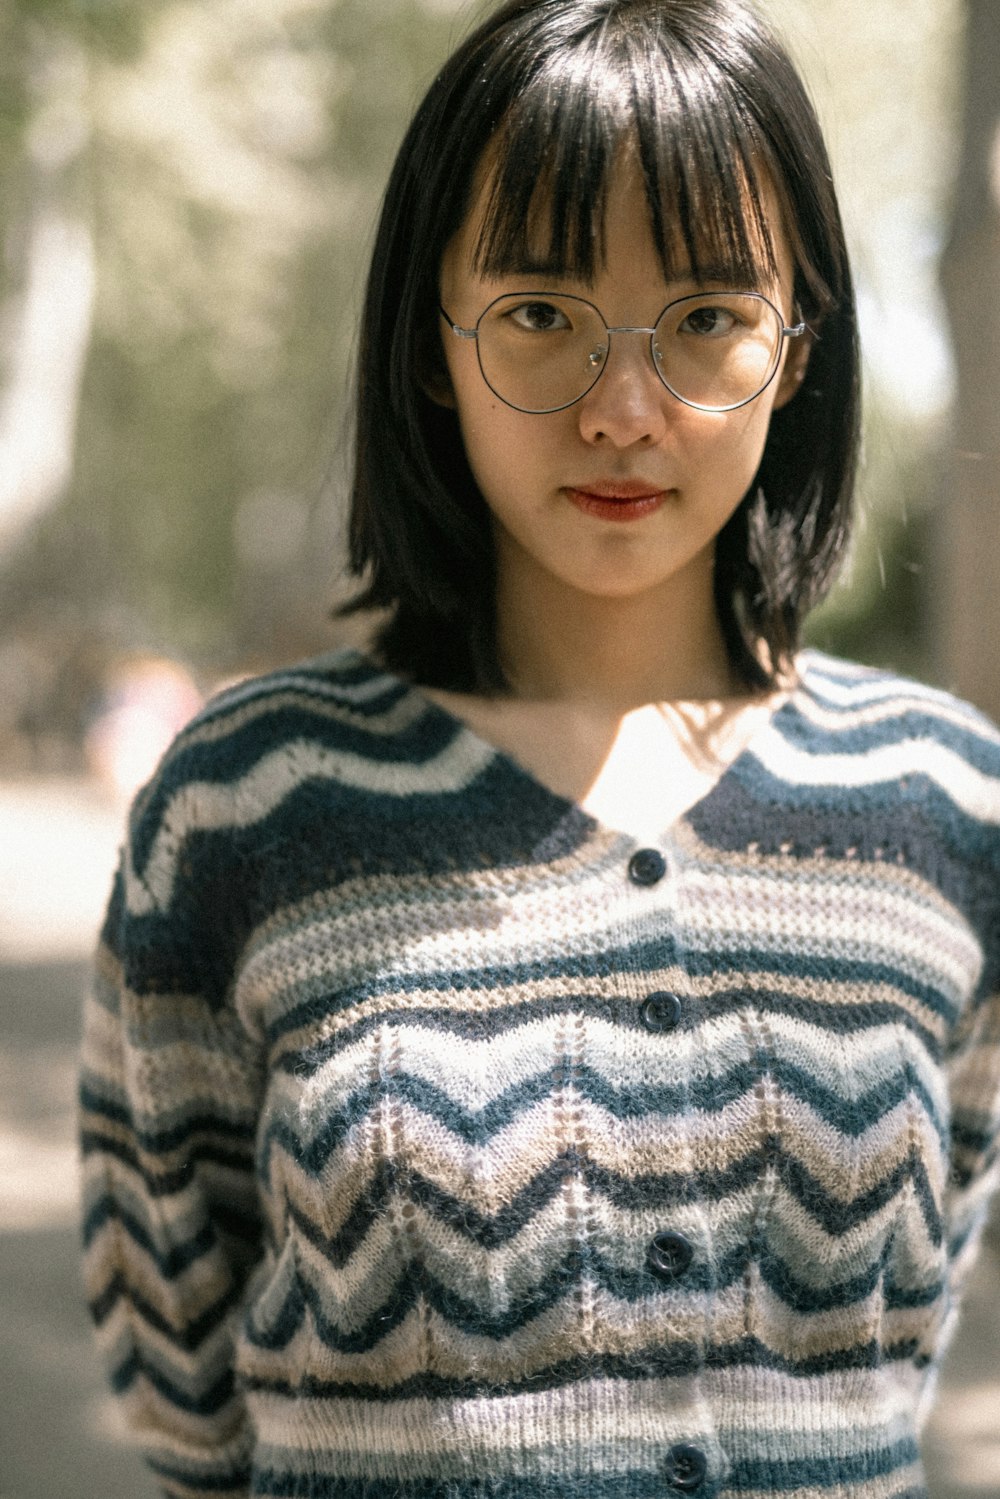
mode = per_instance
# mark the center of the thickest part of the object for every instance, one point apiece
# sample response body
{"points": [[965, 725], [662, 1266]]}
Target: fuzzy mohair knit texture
{"points": [[441, 1142]]}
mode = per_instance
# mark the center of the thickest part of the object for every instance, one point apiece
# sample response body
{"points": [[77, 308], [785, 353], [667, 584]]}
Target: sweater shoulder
{"points": [[871, 726], [340, 693], [848, 688], [258, 742], [873, 706], [340, 700]]}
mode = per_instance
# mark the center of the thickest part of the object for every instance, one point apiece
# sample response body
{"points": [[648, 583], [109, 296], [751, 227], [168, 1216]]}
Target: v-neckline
{"points": [[487, 752]]}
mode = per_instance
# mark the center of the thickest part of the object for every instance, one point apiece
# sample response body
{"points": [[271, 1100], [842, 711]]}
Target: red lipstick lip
{"points": [[625, 489], [617, 502]]}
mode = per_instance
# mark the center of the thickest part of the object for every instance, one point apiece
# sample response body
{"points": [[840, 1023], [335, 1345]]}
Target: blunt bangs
{"points": [[586, 112]]}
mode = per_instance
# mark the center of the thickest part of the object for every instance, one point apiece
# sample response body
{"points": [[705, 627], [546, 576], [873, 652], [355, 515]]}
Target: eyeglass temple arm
{"points": [[460, 332], [795, 332]]}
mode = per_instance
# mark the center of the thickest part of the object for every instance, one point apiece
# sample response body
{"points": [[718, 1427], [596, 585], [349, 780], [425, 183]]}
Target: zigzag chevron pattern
{"points": [[395, 1185]]}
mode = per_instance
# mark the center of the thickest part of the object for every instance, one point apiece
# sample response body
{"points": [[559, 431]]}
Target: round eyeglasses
{"points": [[542, 351]]}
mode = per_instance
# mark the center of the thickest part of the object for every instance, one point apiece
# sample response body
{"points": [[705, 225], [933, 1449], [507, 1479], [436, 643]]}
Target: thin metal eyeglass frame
{"points": [[794, 331]]}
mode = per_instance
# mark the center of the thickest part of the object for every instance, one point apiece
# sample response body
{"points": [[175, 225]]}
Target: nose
{"points": [[627, 404]]}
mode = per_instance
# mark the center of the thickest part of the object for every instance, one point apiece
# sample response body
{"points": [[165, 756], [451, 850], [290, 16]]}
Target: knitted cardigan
{"points": [[442, 1143]]}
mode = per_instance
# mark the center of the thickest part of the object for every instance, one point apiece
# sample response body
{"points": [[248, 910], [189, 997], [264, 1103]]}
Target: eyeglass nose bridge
{"points": [[599, 357]]}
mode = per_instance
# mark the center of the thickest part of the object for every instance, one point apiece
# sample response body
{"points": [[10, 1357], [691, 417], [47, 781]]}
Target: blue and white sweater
{"points": [[440, 1143]]}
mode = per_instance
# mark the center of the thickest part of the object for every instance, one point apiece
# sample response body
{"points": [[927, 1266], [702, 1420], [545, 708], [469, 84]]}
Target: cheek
{"points": [[502, 444], [742, 444], [479, 411], [485, 435]]}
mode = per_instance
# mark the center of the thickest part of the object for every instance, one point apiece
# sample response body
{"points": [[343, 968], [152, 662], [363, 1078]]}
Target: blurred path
{"points": [[59, 1431], [60, 1434]]}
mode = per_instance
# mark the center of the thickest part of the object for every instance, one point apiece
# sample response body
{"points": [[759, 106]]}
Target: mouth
{"points": [[627, 500], [619, 489]]}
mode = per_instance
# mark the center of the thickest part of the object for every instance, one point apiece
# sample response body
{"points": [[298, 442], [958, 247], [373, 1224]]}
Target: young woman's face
{"points": [[558, 485]]}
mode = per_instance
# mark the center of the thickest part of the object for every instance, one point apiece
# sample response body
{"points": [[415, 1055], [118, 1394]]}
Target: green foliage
{"points": [[13, 87], [112, 28], [233, 173], [878, 611]]}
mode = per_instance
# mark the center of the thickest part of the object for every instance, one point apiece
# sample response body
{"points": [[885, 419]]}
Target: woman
{"points": [[557, 1054]]}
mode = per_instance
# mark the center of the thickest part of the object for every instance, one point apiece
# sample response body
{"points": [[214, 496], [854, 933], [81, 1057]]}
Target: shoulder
{"points": [[338, 702], [871, 727], [292, 765], [255, 745], [853, 685], [871, 710], [339, 694]]}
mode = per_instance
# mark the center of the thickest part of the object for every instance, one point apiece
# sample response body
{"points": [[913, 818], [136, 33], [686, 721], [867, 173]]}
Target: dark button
{"points": [[661, 1011], [685, 1468], [669, 1254], [646, 866]]}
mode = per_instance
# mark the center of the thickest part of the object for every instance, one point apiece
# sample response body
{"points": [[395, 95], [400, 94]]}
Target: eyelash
{"points": [[558, 312]]}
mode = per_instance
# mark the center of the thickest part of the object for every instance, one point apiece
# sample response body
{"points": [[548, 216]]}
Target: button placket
{"points": [[669, 1254]]}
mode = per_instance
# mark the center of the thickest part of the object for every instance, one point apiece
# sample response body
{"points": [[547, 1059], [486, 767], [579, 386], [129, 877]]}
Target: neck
{"points": [[560, 644]]}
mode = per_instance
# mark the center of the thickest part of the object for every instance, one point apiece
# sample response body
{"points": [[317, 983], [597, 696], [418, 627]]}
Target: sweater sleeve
{"points": [[170, 1092], [974, 1087], [972, 1070]]}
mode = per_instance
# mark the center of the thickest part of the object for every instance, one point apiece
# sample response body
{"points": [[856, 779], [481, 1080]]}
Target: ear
{"points": [[439, 390], [432, 371], [793, 371]]}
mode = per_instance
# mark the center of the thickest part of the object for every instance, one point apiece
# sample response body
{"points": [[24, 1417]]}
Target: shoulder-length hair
{"points": [[712, 104]]}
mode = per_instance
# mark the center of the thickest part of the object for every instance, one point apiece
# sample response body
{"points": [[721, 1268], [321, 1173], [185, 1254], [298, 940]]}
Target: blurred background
{"points": [[187, 198]]}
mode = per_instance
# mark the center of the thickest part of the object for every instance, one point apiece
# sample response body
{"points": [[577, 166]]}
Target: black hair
{"points": [[712, 104]]}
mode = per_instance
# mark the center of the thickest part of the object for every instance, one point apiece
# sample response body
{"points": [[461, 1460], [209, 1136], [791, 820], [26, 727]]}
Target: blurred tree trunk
{"points": [[48, 253], [969, 574]]}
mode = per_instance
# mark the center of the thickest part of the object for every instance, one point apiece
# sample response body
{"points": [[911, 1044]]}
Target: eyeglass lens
{"points": [[715, 350]]}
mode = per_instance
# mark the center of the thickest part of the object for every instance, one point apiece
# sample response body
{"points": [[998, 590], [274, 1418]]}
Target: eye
{"points": [[538, 317], [710, 322]]}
